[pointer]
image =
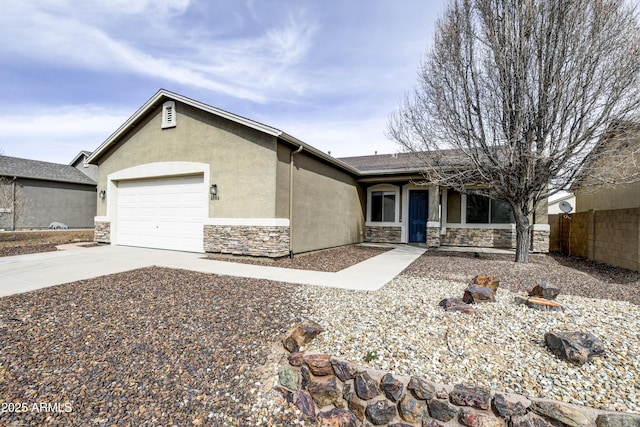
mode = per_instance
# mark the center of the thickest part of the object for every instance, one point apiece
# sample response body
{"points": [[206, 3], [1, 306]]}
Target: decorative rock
{"points": [[441, 410], [289, 377], [287, 395], [399, 425], [559, 412], [337, 418], [506, 408], [306, 377], [343, 369], [468, 396], [391, 387], [529, 420], [366, 387], [545, 290], [295, 359], [475, 294], [319, 364], [412, 410], [576, 347], [456, 304], [442, 394], [486, 280], [538, 303], [304, 402], [430, 422], [325, 391], [381, 412], [617, 420], [301, 334], [354, 404], [471, 418], [421, 389]]}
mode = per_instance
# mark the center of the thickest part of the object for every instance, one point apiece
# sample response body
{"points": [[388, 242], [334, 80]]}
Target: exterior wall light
{"points": [[214, 192], [102, 194]]}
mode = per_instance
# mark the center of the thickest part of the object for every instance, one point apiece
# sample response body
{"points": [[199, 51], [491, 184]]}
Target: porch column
{"points": [[433, 218]]}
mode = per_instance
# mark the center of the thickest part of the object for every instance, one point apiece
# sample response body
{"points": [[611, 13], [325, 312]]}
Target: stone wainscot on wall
{"points": [[264, 241]]}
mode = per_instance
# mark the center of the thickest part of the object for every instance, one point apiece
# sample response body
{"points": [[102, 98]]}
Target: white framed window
{"points": [[383, 204], [475, 210], [169, 116]]}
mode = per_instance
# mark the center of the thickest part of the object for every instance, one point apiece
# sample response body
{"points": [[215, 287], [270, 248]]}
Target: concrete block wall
{"points": [[608, 236]]}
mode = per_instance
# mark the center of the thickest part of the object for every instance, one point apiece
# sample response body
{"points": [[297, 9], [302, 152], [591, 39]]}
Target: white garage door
{"points": [[163, 213]]}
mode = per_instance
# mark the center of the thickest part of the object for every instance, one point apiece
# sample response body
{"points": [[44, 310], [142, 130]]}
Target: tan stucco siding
{"points": [[242, 160], [607, 198], [328, 208], [283, 180]]}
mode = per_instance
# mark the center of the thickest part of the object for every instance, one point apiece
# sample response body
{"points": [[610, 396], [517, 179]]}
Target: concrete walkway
{"points": [[25, 273]]}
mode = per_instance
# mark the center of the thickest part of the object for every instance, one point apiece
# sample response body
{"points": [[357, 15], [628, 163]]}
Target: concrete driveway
{"points": [[25, 273]]}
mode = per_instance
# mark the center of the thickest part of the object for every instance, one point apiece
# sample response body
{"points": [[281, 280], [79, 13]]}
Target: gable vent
{"points": [[169, 114]]}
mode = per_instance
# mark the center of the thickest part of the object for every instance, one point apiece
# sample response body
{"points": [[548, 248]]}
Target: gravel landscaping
{"points": [[29, 242], [159, 346], [501, 346], [329, 260], [148, 347]]}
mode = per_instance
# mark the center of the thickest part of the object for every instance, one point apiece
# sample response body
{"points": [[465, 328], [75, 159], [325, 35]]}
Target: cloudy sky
{"points": [[327, 72]]}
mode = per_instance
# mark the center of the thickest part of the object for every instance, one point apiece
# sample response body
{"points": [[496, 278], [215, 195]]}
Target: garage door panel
{"points": [[163, 213]]}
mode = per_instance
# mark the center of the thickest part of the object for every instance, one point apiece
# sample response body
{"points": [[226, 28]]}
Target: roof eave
{"points": [[324, 156]]}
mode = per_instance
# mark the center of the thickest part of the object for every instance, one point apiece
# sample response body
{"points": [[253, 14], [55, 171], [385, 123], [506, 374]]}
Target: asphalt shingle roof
{"points": [[35, 169], [382, 162]]}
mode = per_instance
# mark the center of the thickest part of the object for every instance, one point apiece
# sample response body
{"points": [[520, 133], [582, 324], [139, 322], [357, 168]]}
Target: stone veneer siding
{"points": [[480, 237], [265, 241], [337, 392], [382, 234], [433, 237], [540, 241], [102, 233], [493, 238]]}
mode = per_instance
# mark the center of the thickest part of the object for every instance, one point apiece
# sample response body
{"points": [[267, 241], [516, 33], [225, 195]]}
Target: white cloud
{"points": [[58, 135], [253, 68]]}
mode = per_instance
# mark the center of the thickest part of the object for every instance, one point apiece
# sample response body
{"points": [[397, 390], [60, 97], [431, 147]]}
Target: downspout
{"points": [[293, 153]]}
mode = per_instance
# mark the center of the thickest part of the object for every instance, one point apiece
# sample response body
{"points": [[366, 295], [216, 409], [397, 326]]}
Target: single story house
{"points": [[183, 175], [33, 194], [80, 162]]}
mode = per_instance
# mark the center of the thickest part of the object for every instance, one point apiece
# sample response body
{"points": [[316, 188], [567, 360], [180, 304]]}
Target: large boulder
{"points": [[456, 304], [486, 280], [576, 347], [476, 294], [538, 303], [301, 334], [545, 290]]}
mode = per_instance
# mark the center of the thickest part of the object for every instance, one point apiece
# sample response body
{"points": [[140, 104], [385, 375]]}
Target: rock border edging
{"points": [[340, 393]]}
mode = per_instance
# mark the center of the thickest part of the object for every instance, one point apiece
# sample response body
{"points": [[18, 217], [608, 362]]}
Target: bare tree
{"points": [[522, 91], [13, 204]]}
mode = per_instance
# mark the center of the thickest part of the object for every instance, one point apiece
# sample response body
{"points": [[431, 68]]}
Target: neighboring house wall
{"points": [[600, 198], [43, 202]]}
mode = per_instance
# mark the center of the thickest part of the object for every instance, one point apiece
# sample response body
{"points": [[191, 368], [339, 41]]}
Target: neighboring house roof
{"points": [[82, 156], [35, 169], [163, 95]]}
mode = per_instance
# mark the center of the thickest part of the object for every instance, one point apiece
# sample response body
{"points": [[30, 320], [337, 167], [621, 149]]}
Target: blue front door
{"points": [[418, 202]]}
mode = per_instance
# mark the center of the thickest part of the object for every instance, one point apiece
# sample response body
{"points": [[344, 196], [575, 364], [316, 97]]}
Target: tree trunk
{"points": [[522, 237]]}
